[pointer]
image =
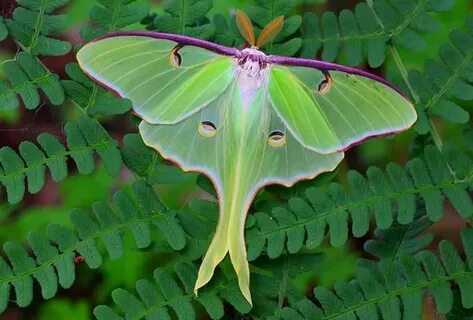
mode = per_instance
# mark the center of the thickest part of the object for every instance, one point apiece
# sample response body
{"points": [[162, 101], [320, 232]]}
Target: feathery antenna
{"points": [[246, 27]]}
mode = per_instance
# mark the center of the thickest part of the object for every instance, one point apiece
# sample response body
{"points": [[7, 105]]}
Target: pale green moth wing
{"points": [[332, 110], [242, 118], [242, 145], [165, 85]]}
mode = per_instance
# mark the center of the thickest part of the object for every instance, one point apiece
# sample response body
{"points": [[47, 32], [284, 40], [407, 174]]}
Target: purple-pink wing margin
{"points": [[229, 51]]}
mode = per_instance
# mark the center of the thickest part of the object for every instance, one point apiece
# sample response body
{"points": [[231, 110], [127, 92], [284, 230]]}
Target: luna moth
{"points": [[243, 118]]}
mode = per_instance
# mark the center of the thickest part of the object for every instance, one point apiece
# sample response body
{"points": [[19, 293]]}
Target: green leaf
{"points": [[26, 77], [155, 300], [12, 164], [3, 29], [322, 211], [400, 239], [184, 17], [32, 26], [111, 16], [444, 83], [364, 32], [83, 138], [96, 100], [399, 292], [52, 259]]}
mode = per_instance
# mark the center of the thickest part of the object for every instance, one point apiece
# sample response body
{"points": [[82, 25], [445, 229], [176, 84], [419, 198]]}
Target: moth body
{"points": [[252, 70]]}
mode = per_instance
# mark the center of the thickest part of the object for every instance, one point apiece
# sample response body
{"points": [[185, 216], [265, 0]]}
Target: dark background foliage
{"points": [[96, 225]]}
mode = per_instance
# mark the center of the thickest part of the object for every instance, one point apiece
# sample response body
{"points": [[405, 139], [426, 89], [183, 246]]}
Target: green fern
{"points": [[305, 221], [183, 17], [3, 29], [369, 28], [155, 300], [263, 11], [111, 16], [443, 85], [32, 26], [147, 164], [169, 296], [27, 76], [52, 261], [94, 99], [401, 290], [458, 312], [400, 239], [84, 138]]}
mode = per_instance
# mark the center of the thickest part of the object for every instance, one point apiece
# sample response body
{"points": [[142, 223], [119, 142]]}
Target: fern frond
{"points": [[156, 300], [305, 221], [446, 83], [52, 260], [401, 290], [286, 43], [3, 29], [33, 25], [188, 17], [84, 138], [458, 312], [92, 98], [26, 77], [365, 30], [111, 16], [226, 32], [400, 239], [147, 164]]}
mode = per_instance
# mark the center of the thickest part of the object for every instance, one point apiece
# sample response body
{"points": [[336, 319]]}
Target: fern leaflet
{"points": [[32, 26], [155, 300], [305, 221], [27, 76], [94, 99], [83, 139], [52, 261], [111, 16], [183, 17], [353, 31], [443, 85], [3, 29], [399, 293]]}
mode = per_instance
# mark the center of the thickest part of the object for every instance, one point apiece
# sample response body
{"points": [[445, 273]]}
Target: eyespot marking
{"points": [[325, 85], [175, 58], [207, 129], [277, 139]]}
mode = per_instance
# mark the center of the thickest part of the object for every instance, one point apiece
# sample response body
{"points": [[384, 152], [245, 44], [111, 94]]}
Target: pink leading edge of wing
{"points": [[229, 51], [281, 60]]}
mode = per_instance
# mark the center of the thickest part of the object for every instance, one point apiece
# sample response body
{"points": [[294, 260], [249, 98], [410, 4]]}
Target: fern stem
{"points": [[80, 243], [282, 286], [37, 28], [404, 74], [437, 140], [359, 203], [403, 291], [390, 33]]}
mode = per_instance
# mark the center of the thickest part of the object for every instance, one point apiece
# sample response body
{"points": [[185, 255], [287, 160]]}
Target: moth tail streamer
{"points": [[228, 238]]}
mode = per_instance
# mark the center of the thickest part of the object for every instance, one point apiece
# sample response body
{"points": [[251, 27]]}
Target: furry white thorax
{"points": [[252, 69]]}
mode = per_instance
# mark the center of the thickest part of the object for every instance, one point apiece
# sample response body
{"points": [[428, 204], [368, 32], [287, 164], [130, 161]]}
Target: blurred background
{"points": [[53, 203]]}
